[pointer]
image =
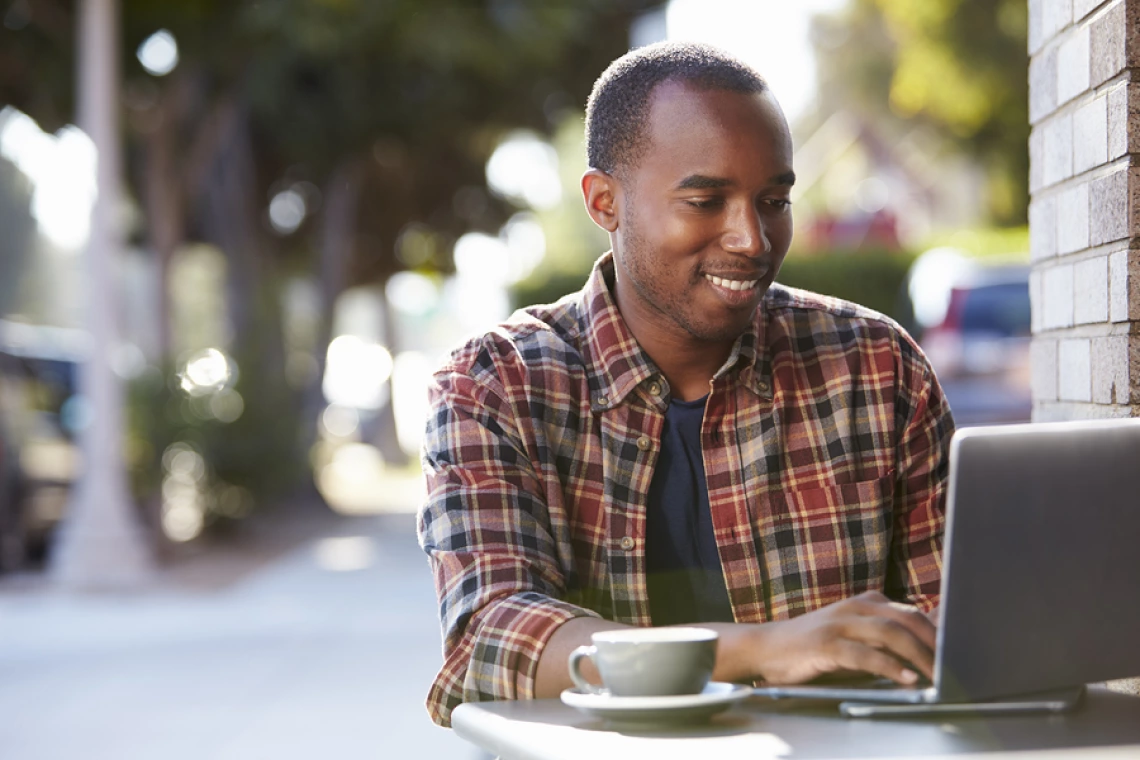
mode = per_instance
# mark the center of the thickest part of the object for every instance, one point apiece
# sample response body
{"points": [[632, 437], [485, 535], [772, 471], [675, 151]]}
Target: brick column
{"points": [[1084, 211]]}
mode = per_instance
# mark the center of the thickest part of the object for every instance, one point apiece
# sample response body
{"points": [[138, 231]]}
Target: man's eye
{"points": [[779, 204], [705, 203]]}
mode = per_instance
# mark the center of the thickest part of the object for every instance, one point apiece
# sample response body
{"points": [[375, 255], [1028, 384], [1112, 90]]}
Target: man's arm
{"points": [[485, 527], [925, 425], [867, 633]]}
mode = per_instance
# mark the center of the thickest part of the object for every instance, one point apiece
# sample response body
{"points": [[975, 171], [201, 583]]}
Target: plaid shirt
{"points": [[825, 441]]}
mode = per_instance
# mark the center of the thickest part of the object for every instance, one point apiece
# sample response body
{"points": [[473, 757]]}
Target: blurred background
{"points": [[235, 237]]}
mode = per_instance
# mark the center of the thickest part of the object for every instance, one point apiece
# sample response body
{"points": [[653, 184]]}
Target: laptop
{"points": [[1041, 570]]}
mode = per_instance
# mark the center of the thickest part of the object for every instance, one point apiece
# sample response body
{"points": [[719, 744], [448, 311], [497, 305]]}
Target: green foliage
{"points": [[426, 71], [19, 228], [547, 288], [953, 57], [870, 278], [1007, 243], [417, 92], [248, 461], [958, 67], [414, 92]]}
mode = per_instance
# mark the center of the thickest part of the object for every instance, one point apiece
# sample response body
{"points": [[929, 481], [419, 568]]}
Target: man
{"points": [[682, 440]]}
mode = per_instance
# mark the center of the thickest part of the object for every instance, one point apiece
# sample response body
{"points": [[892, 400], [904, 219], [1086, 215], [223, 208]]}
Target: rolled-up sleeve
{"points": [[926, 426], [486, 530]]}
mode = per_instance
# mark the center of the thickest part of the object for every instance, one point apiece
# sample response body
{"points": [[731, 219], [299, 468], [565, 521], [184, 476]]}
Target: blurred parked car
{"points": [[980, 346], [37, 454]]}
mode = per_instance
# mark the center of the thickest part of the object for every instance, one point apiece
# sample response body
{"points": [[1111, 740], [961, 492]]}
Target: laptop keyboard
{"points": [[869, 682], [887, 684]]}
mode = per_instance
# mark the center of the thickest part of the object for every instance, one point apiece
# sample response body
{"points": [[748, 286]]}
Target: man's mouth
{"points": [[731, 284]]}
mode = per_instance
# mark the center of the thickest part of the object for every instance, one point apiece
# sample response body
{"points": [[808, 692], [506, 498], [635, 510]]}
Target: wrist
{"points": [[741, 651]]}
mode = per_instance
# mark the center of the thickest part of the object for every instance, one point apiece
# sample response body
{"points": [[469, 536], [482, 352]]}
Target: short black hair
{"points": [[618, 107]]}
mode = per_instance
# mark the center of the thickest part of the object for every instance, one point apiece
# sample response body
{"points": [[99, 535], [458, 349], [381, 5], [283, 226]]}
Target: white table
{"points": [[1106, 726]]}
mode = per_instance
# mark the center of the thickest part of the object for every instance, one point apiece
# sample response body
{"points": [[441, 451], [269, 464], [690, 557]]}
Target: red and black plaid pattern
{"points": [[825, 443]]}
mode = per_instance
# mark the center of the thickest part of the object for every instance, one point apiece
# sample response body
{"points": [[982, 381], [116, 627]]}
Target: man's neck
{"points": [[689, 368], [687, 362]]}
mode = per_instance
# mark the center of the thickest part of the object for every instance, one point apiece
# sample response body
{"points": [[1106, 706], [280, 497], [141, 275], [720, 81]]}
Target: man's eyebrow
{"points": [[702, 182], [705, 182]]}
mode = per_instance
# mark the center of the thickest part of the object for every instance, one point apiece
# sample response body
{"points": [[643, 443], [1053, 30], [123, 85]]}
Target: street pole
{"points": [[101, 544]]}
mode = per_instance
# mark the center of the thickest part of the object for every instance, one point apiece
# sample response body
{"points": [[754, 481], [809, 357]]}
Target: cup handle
{"points": [[575, 662]]}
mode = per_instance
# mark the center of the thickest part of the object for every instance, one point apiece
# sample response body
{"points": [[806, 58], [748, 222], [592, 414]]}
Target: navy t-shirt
{"points": [[686, 581]]}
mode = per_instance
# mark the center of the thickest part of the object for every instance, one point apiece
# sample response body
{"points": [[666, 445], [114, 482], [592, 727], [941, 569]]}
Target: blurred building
{"points": [[861, 185]]}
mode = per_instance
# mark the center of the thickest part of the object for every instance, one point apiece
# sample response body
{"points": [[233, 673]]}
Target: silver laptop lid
{"points": [[1041, 575]]}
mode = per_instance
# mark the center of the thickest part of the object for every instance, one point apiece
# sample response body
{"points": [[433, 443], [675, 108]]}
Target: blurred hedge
{"points": [[250, 462], [547, 287], [875, 279]]}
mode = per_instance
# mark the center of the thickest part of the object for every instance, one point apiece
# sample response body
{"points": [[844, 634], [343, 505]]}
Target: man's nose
{"points": [[745, 233]]}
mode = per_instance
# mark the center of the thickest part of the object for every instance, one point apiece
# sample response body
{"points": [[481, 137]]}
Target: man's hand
{"points": [[932, 616], [866, 633]]}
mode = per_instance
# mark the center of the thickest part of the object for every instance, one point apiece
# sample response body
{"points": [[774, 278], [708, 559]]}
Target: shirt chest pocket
{"points": [[823, 544]]}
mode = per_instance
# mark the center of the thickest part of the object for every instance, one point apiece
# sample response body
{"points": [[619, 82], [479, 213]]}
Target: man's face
{"points": [[703, 217]]}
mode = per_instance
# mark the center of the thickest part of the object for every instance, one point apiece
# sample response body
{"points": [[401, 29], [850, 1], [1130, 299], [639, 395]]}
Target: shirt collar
{"points": [[617, 364]]}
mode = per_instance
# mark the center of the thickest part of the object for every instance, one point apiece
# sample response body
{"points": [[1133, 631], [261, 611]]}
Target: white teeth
{"points": [[731, 284]]}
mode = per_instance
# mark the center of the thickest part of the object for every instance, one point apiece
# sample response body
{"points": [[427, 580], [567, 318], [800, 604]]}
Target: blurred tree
{"points": [[959, 67], [19, 228], [380, 116], [389, 108], [37, 59], [393, 109]]}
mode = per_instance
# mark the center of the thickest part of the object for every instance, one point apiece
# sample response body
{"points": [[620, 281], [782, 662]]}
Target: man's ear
{"points": [[600, 192]]}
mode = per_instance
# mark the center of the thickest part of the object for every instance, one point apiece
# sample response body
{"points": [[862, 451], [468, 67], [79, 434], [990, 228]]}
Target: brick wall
{"points": [[1084, 211], [1084, 216]]}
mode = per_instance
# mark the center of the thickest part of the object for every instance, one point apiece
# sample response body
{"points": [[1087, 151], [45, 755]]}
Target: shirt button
{"points": [[603, 401], [627, 543], [654, 388], [763, 386], [644, 443]]}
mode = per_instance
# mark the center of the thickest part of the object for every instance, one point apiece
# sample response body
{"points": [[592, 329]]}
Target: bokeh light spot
{"points": [[158, 53], [347, 554], [524, 168], [286, 211]]}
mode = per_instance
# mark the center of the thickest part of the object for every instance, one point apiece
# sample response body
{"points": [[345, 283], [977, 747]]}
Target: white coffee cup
{"points": [[648, 662]]}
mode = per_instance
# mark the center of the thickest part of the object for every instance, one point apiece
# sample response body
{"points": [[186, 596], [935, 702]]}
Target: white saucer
{"points": [[684, 707]]}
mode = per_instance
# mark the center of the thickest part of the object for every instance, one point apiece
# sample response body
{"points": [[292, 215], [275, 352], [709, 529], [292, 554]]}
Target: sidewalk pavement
{"points": [[315, 639]]}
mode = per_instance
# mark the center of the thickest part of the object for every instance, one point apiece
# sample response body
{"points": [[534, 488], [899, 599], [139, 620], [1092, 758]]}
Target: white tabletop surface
{"points": [[1106, 727]]}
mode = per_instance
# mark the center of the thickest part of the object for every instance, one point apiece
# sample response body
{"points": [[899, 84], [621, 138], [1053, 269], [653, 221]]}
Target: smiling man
{"points": [[683, 440]]}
